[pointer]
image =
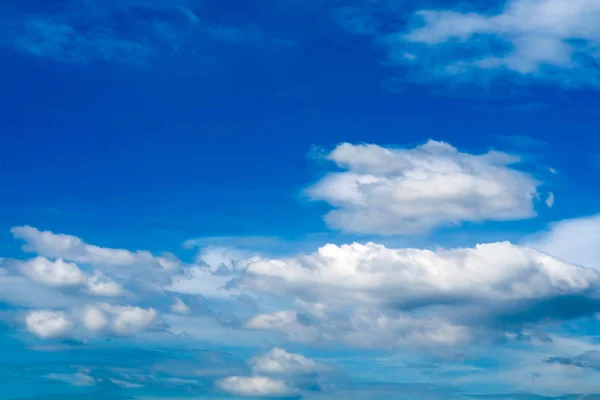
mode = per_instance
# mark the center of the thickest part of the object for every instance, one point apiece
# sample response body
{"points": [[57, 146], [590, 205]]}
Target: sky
{"points": [[316, 199]]}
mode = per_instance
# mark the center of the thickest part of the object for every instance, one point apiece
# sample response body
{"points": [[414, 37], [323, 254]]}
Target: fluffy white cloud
{"points": [[98, 285], [61, 274], [277, 373], [48, 324], [410, 191], [256, 386], [574, 240], [377, 296], [49, 244], [546, 39], [53, 273], [280, 362], [118, 320], [374, 274]]}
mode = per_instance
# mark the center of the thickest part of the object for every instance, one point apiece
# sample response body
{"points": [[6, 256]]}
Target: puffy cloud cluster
{"points": [[373, 295], [280, 362], [118, 320], [410, 191], [48, 324], [65, 275], [277, 373], [97, 318]]}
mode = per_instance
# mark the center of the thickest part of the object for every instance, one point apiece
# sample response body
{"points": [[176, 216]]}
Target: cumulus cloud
{"points": [[48, 324], [117, 320], [256, 386], [72, 248], [280, 362], [277, 373], [410, 191], [53, 273], [374, 295], [61, 274]]}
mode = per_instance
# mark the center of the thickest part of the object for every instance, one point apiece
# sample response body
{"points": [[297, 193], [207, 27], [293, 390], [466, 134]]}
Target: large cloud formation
{"points": [[410, 191], [371, 295]]}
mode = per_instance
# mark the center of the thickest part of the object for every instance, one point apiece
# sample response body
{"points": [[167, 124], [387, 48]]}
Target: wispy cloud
{"points": [[540, 41], [133, 32]]}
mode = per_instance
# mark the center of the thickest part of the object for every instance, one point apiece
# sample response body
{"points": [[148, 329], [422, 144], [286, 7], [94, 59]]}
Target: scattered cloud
{"points": [[411, 191], [118, 320], [550, 200], [280, 362], [61, 274], [277, 373], [551, 41], [256, 386], [63, 42], [48, 324]]}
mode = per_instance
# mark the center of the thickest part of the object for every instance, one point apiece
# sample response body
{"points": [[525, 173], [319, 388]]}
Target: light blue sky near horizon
{"points": [[213, 131]]}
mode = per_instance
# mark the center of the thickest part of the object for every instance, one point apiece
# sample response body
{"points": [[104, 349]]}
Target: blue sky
{"points": [[299, 199]]}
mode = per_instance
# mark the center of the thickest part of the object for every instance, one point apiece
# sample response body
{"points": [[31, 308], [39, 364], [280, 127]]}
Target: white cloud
{"points": [[573, 240], [81, 378], [179, 306], [280, 362], [256, 386], [545, 39], [550, 200], [372, 295], [53, 273], [94, 319], [98, 285], [118, 320], [49, 244], [277, 373], [284, 321], [48, 324], [61, 274], [411, 191]]}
